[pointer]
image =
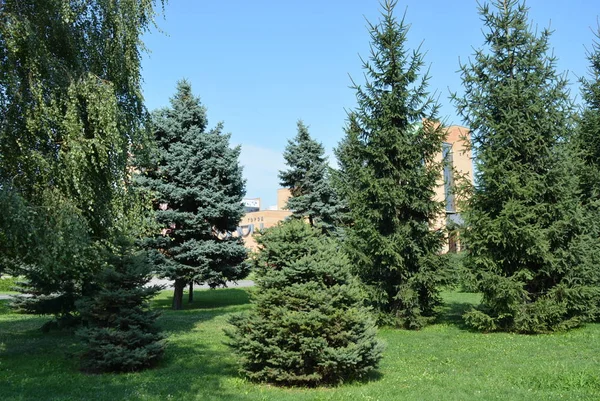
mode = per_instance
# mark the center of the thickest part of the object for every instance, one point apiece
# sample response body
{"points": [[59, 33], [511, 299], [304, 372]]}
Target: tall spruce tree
{"points": [[528, 240], [388, 178], [198, 188], [307, 177], [71, 110], [587, 148], [588, 138]]}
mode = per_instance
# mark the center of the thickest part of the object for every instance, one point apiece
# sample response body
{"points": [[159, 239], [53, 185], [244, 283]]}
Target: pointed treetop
{"points": [[303, 155], [186, 104], [591, 85], [392, 72]]}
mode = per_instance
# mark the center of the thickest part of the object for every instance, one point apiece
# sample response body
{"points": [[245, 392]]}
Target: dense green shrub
{"points": [[308, 325], [49, 247], [119, 330]]}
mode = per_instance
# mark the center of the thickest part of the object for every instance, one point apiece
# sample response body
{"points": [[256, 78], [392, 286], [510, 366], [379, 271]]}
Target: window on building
{"points": [[448, 177]]}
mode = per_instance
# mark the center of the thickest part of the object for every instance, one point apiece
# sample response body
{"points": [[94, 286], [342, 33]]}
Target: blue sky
{"points": [[261, 65]]}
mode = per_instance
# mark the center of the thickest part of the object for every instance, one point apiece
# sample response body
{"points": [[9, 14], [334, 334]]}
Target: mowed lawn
{"points": [[442, 362]]}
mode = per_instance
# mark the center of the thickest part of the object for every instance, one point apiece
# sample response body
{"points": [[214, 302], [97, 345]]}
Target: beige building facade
{"points": [[256, 219], [457, 169]]}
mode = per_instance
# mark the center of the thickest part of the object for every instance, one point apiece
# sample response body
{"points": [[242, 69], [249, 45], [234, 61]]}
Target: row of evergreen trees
{"points": [[82, 234], [531, 219]]}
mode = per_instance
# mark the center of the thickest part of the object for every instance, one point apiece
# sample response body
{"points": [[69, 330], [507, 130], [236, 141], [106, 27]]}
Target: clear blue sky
{"points": [[261, 65]]}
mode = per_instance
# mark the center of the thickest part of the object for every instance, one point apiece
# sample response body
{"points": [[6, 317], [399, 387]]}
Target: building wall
{"points": [[254, 221], [457, 142], [283, 194]]}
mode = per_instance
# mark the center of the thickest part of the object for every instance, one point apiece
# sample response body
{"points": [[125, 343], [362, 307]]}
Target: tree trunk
{"points": [[191, 293], [178, 294]]}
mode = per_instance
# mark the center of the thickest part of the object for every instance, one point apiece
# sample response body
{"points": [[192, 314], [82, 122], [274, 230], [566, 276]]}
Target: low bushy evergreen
{"points": [[50, 248], [308, 325], [119, 329]]}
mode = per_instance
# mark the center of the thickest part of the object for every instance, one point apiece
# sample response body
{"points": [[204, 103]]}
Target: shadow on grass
{"points": [[4, 306], [36, 365], [452, 314], [373, 376], [191, 370], [455, 306], [21, 336], [187, 371]]}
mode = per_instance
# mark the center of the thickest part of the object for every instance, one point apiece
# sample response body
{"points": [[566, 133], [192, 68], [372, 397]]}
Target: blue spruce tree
{"points": [[308, 178], [198, 187]]}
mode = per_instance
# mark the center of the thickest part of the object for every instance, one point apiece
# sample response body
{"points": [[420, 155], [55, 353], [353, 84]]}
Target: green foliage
{"points": [[7, 283], [588, 134], [587, 142], [15, 228], [71, 118], [71, 99], [308, 326], [50, 246], [308, 179], [282, 245], [197, 185], [460, 277], [119, 330], [530, 243], [388, 177]]}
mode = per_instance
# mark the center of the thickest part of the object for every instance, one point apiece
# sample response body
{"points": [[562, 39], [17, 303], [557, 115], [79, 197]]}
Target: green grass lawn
{"points": [[6, 285], [442, 362]]}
